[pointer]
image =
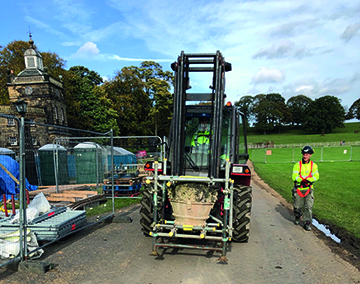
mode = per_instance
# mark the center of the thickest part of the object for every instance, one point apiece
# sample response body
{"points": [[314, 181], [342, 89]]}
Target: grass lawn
{"points": [[290, 155], [107, 207], [336, 194], [300, 136]]}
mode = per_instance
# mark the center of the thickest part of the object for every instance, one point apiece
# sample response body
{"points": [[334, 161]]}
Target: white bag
{"points": [[31, 214], [40, 203]]}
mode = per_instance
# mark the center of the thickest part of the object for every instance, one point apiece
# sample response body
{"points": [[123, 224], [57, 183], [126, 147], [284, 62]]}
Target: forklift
{"points": [[199, 195]]}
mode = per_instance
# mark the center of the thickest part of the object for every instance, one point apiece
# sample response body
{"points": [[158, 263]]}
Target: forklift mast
{"points": [[199, 62]]}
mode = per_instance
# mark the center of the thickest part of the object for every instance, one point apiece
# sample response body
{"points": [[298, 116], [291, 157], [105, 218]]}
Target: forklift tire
{"points": [[241, 213], [147, 210]]}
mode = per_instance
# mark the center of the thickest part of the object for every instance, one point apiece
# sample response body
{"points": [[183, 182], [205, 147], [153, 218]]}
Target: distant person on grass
{"points": [[305, 173]]}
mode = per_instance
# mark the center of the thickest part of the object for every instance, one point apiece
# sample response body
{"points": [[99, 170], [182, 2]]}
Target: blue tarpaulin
{"points": [[7, 184]]}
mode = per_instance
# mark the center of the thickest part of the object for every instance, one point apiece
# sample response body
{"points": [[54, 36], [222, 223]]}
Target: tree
{"points": [[324, 114], [246, 106], [261, 111], [126, 91], [104, 114], [158, 84], [88, 107], [53, 64], [297, 106], [91, 77], [160, 114], [354, 110], [142, 97], [270, 112]]}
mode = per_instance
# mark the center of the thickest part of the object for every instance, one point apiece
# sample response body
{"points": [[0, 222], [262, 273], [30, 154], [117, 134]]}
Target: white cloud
{"points": [[304, 90], [314, 88], [293, 28], [267, 75], [72, 10], [276, 51], [88, 50], [284, 49], [350, 32], [116, 57], [43, 26]]}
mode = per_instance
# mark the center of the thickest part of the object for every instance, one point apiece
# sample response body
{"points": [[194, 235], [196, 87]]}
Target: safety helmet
{"points": [[307, 150]]}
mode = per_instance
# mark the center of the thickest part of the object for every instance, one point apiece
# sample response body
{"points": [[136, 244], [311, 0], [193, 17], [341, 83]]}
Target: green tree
{"points": [[324, 114], [157, 86], [90, 77], [246, 106], [104, 114], [53, 64], [297, 106], [270, 112], [130, 101], [88, 106], [262, 116], [354, 110], [142, 97]]}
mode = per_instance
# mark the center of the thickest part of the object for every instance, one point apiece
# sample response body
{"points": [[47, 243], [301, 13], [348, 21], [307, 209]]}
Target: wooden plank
{"points": [[10, 174], [82, 192], [70, 195], [57, 199]]}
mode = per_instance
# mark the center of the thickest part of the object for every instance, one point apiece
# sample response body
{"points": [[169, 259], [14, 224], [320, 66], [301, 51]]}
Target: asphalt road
{"points": [[277, 252]]}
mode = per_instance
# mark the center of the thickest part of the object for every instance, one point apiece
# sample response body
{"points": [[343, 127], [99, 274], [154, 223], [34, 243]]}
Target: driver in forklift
{"points": [[202, 135]]}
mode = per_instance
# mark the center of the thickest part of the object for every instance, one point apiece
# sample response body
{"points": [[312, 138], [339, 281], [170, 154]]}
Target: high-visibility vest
{"points": [[200, 138], [303, 178]]}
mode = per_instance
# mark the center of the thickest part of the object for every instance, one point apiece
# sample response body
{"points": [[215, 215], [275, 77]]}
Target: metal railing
{"points": [[291, 155], [263, 145]]}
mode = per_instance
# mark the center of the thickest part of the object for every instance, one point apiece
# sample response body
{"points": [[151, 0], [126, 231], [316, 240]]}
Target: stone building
{"points": [[46, 104]]}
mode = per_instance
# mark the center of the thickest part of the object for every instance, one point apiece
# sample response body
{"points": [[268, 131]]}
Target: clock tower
{"points": [[44, 95]]}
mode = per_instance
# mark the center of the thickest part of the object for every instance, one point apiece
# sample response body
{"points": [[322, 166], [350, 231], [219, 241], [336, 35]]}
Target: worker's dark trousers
{"points": [[303, 205]]}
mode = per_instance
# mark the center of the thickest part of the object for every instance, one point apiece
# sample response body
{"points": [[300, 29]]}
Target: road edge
{"points": [[347, 249]]}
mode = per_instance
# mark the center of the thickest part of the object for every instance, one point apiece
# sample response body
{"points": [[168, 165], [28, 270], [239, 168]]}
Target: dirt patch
{"points": [[348, 249]]}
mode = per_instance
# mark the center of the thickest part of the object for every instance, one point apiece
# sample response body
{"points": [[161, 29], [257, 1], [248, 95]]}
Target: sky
{"points": [[287, 47]]}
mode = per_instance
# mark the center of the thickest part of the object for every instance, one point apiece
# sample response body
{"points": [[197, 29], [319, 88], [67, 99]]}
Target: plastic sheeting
{"points": [[7, 184]]}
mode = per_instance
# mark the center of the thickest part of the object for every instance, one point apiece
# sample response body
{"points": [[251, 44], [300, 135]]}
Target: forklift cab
{"points": [[199, 137]]}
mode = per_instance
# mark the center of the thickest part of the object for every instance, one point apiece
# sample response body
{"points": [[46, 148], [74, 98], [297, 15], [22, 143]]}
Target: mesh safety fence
{"points": [[63, 167]]}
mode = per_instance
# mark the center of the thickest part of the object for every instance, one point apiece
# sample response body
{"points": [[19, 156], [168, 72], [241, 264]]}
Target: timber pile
{"points": [[66, 194], [70, 195]]}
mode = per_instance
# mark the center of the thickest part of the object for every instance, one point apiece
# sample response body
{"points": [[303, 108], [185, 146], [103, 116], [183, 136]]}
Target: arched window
{"points": [[62, 115], [55, 113]]}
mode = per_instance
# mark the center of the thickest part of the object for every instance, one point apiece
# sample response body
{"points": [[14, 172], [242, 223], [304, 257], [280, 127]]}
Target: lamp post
{"points": [[21, 107]]}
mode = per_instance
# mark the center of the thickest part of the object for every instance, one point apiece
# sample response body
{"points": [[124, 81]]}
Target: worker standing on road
{"points": [[305, 173]]}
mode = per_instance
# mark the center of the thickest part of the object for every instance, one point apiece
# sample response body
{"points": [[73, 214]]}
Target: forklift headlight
{"points": [[237, 170]]}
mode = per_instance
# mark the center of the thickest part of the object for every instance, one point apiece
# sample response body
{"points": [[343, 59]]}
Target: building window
{"points": [[30, 62], [13, 141], [62, 115], [55, 113], [10, 122]]}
